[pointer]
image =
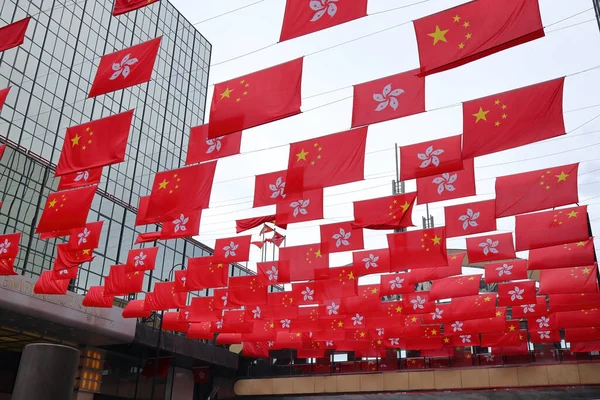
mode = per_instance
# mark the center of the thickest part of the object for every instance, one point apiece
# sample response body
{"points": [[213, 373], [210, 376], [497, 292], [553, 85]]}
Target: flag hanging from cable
{"points": [[13, 35], [201, 148], [125, 6]]}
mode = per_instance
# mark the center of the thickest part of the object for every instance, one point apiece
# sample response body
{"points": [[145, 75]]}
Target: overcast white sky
{"points": [[563, 52]]}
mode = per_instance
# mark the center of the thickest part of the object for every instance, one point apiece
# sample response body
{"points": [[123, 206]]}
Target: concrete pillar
{"points": [[180, 384], [46, 372]]}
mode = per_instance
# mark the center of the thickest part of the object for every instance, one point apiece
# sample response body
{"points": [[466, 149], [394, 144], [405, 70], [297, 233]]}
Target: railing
{"points": [[213, 394]]}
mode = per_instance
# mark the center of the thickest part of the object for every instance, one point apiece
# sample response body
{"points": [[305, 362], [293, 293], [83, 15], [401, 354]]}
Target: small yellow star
{"points": [[437, 240], [468, 36], [481, 115], [362, 334], [497, 123], [504, 116], [497, 102], [84, 147], [498, 314], [379, 342], [433, 332], [399, 310], [238, 100], [302, 155], [504, 106], [86, 252], [456, 18], [374, 291], [351, 275], [438, 35], [75, 140], [340, 324], [461, 46], [413, 319], [488, 299], [573, 214], [466, 24], [163, 184], [471, 279], [562, 177], [446, 340], [226, 93]]}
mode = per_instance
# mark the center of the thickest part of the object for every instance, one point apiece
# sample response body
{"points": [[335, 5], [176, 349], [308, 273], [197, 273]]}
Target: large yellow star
{"points": [[340, 324], [580, 244], [437, 240], [75, 140], [586, 270], [405, 206], [481, 115], [52, 203], [302, 155], [439, 35], [573, 214], [351, 275], [163, 184], [318, 254], [226, 93], [562, 177], [86, 252], [398, 309], [512, 327]]}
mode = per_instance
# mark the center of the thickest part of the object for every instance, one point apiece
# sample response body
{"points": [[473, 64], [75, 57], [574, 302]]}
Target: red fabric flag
{"points": [[3, 96], [463, 340], [304, 293], [201, 374], [135, 309], [87, 237], [246, 291], [66, 258], [258, 244], [165, 297], [9, 245], [121, 282], [371, 262], [536, 190], [266, 229], [340, 237], [342, 284], [562, 256], [234, 321], [303, 17], [495, 323], [431, 158], [95, 298], [388, 98], [512, 119], [182, 190], [125, 6], [392, 212], [204, 273], [233, 249], [243, 225], [161, 371], [516, 293], [575, 319], [543, 322], [256, 99], [66, 210], [471, 218], [418, 303], [201, 309], [418, 249], [456, 286], [300, 207], [502, 339], [186, 225], [7, 267], [455, 262], [142, 259], [125, 68], [277, 239], [551, 228], [171, 322], [368, 301], [46, 284], [447, 186], [396, 284], [80, 179], [531, 310], [505, 271], [13, 35], [65, 273], [255, 350], [202, 330], [491, 248], [573, 302], [569, 280], [271, 273], [201, 148], [474, 30], [269, 188], [55, 234], [584, 347], [474, 307], [327, 161], [582, 334], [142, 218], [545, 336], [147, 237], [95, 144]]}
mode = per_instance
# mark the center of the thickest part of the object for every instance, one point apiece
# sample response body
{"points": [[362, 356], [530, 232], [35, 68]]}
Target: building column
{"points": [[46, 372], [180, 384]]}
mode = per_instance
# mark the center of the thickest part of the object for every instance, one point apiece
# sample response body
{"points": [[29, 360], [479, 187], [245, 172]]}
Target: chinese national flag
{"points": [[87, 237], [201, 330], [506, 271], [455, 262], [66, 258], [431, 158], [201, 148], [147, 237], [327, 161], [135, 309], [271, 273], [125, 68], [371, 262], [124, 6], [121, 282], [495, 323], [201, 309], [80, 179], [582, 334], [66, 210], [474, 307], [575, 319], [531, 310], [388, 98], [306, 262], [491, 248], [536, 190], [269, 188], [172, 322], [341, 237], [204, 273], [7, 267], [418, 249], [46, 284], [303, 17], [300, 207], [474, 30], [256, 99], [186, 225], [3, 96], [503, 339], [342, 284], [13, 35], [562, 255], [574, 302], [447, 186], [551, 228], [246, 291], [392, 212], [142, 259], [142, 218], [165, 297], [95, 144], [569, 280], [456, 286], [182, 190], [516, 293], [471, 218], [233, 249], [255, 349], [95, 298], [9, 245], [512, 119]]}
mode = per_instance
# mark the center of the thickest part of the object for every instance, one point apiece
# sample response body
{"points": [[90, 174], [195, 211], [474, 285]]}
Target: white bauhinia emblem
{"points": [[285, 323], [224, 298], [437, 314], [466, 338], [544, 334], [321, 7], [328, 343], [214, 145], [488, 357], [230, 250], [445, 182], [380, 331], [504, 270], [371, 261], [543, 322], [430, 157], [187, 315], [123, 67], [63, 272], [388, 97], [180, 223], [394, 341], [357, 319], [273, 273], [342, 237], [300, 207], [332, 309], [4, 246], [82, 176], [220, 324], [256, 313], [457, 326], [139, 259], [183, 280], [277, 188], [469, 219], [418, 303], [308, 294], [397, 284], [270, 344], [528, 308], [516, 294], [489, 246]]}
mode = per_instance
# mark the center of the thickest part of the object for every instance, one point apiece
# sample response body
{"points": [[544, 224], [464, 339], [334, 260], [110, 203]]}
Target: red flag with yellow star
{"points": [[256, 99], [512, 119], [67, 258], [506, 271], [391, 212], [165, 297], [125, 6], [536, 190], [447, 186], [327, 161], [95, 144], [7, 266], [368, 300], [474, 307], [121, 282], [496, 321], [182, 190], [454, 267], [418, 249], [572, 302], [456, 286], [474, 30], [66, 210], [255, 349], [582, 334], [135, 309], [516, 293], [246, 291], [204, 273], [573, 319], [201, 309], [300, 207], [569, 280], [491, 248], [431, 158], [471, 218], [342, 284], [307, 262], [340, 237], [563, 255], [551, 228]]}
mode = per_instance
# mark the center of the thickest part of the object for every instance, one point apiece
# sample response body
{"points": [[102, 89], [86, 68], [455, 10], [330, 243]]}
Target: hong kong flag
{"points": [[304, 17], [269, 188], [79, 179], [125, 68], [340, 237], [512, 119], [3, 96], [13, 35], [431, 158], [388, 98], [491, 248], [46, 284], [474, 30], [124, 6], [535, 309], [371, 262], [9, 245], [271, 273], [505, 271], [392, 212], [142, 259], [186, 225], [471, 218], [201, 148], [66, 210], [516, 293], [70, 273], [235, 249], [300, 207], [87, 237], [418, 249], [447, 186], [563, 255], [256, 99]]}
